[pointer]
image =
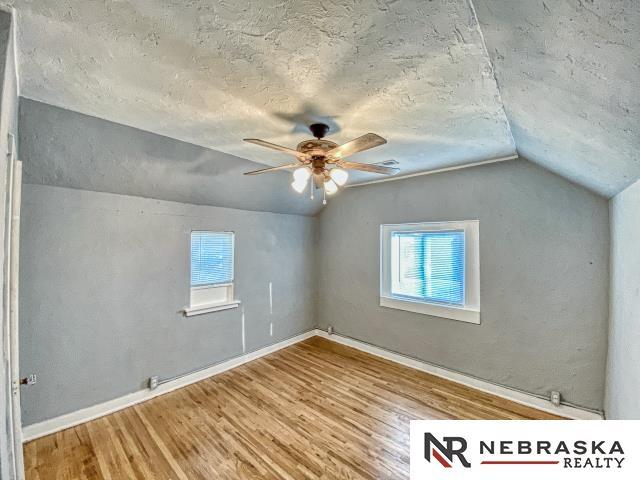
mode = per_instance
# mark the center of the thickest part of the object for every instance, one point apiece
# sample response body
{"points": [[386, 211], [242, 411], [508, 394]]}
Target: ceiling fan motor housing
{"points": [[316, 148]]}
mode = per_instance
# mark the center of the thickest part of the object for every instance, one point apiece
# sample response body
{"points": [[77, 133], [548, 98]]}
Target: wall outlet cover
{"points": [[153, 382]]}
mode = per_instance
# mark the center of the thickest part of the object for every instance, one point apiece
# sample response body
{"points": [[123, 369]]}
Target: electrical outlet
{"points": [[153, 382], [32, 379], [555, 398], [330, 330]]}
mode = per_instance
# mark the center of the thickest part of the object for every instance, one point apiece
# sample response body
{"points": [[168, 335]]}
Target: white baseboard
{"points": [[46, 427], [482, 385]]}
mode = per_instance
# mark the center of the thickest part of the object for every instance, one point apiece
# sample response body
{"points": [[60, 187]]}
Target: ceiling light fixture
{"points": [[301, 174], [299, 186], [339, 175], [324, 161], [330, 187]]}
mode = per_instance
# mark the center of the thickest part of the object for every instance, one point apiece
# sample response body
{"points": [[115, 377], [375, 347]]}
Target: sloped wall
{"points": [[67, 149]]}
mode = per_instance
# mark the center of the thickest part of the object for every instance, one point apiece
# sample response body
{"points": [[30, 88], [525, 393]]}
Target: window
{"points": [[211, 258], [431, 268], [428, 266], [211, 272]]}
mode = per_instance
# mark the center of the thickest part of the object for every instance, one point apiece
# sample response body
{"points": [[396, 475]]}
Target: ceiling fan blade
{"points": [[273, 146], [365, 167], [360, 144], [273, 169]]}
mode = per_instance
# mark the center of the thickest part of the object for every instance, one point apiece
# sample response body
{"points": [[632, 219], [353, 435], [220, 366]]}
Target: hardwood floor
{"points": [[315, 410]]}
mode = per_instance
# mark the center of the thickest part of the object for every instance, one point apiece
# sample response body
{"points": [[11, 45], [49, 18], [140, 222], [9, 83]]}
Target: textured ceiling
{"points": [[569, 76], [211, 73], [416, 72]]}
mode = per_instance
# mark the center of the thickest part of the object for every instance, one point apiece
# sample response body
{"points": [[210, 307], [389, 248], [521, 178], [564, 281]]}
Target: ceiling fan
{"points": [[324, 161]]}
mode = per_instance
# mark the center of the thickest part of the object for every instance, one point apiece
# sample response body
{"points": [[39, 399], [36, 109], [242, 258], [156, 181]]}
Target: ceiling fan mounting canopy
{"points": [[319, 130]]}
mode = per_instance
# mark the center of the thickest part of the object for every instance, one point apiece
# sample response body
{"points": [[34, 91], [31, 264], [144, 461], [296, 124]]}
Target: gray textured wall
{"points": [[103, 277], [99, 301], [67, 149], [623, 366], [544, 260], [8, 124]]}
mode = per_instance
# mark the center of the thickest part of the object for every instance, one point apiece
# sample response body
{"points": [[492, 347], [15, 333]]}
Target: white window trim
{"points": [[470, 312], [197, 307], [213, 307]]}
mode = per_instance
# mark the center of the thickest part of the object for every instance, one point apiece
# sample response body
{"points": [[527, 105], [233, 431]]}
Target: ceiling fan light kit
{"points": [[339, 175], [330, 187], [299, 186], [323, 162], [301, 174]]}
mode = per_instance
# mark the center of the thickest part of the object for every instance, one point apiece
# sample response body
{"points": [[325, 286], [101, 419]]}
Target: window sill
{"points": [[454, 313], [212, 307]]}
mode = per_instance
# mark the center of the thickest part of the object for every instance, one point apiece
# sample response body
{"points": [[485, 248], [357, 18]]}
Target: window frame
{"points": [[469, 311], [216, 296]]}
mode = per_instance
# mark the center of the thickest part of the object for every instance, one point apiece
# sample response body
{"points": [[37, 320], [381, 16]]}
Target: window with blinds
{"points": [[432, 268], [211, 258], [428, 266]]}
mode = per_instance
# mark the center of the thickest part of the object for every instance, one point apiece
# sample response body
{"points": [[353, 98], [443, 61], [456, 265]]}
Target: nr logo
{"points": [[444, 453]]}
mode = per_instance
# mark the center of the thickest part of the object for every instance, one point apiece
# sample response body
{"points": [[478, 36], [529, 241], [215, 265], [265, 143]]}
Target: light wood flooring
{"points": [[315, 410]]}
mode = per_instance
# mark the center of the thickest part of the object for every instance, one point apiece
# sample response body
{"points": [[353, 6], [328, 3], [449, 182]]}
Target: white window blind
{"points": [[211, 258], [432, 268], [428, 266]]}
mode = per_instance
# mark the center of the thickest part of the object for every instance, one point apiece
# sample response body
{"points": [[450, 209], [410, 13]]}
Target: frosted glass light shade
{"points": [[339, 175], [330, 187], [299, 185], [301, 174]]}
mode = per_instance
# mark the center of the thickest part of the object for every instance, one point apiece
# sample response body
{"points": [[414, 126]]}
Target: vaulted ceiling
{"points": [[447, 82], [569, 77]]}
